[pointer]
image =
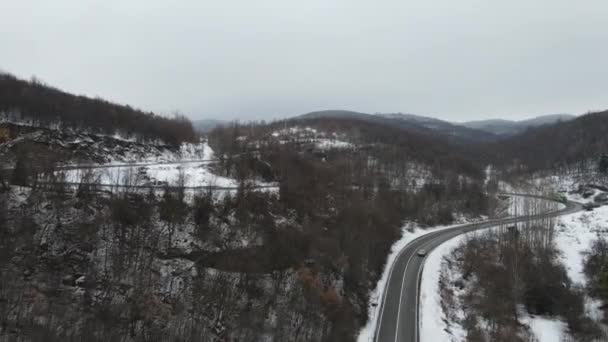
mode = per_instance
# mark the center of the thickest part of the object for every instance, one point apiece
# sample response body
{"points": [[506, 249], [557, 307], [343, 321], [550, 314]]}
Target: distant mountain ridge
{"points": [[411, 122], [445, 127], [503, 127], [377, 119], [207, 125], [581, 139], [469, 132]]}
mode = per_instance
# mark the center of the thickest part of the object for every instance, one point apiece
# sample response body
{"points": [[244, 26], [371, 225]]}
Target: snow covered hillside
{"points": [[307, 135], [69, 147], [190, 167], [115, 161]]}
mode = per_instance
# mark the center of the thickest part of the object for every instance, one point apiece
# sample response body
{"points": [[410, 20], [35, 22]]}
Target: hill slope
{"points": [[42, 105], [565, 143], [411, 123], [510, 127], [395, 139], [446, 128]]}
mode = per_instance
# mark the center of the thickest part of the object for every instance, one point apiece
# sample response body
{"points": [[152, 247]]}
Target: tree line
{"points": [[560, 145], [44, 105]]}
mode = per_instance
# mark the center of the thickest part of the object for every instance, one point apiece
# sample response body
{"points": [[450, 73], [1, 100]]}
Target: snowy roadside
{"points": [[409, 233], [574, 236], [434, 325]]}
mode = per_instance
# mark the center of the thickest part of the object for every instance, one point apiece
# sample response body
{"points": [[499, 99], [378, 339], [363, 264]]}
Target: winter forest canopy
{"points": [[44, 105]]}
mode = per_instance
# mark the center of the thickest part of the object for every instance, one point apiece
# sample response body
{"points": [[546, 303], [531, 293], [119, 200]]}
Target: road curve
{"points": [[398, 318]]}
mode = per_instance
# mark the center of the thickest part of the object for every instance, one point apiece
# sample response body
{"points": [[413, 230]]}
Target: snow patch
{"points": [[545, 329], [191, 162], [326, 144], [320, 139]]}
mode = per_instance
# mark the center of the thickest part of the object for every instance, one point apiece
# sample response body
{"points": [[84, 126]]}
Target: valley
{"points": [[303, 229]]}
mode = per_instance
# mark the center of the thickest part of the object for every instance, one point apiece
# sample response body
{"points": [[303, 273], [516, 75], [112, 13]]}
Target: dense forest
{"points": [[564, 144], [349, 210], [569, 143], [47, 106], [388, 143]]}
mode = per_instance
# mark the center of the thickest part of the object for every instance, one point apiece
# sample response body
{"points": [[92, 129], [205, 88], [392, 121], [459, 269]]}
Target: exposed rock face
{"points": [[70, 147]]}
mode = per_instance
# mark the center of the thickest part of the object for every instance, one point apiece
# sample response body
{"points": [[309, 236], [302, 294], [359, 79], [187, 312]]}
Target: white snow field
{"points": [[192, 164], [195, 174]]}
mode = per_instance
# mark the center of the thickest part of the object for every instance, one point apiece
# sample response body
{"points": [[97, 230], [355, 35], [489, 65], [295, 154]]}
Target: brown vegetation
{"points": [[511, 268]]}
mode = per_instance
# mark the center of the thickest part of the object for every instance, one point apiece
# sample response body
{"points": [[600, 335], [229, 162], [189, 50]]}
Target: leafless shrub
{"points": [[518, 266]]}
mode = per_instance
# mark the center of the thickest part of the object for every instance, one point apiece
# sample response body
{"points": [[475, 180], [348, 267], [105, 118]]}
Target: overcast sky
{"points": [[263, 59]]}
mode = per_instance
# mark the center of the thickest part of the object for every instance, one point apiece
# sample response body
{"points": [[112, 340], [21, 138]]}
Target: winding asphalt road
{"points": [[398, 318]]}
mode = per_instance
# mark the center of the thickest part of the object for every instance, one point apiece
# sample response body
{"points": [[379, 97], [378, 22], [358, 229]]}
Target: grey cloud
{"points": [[457, 60]]}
